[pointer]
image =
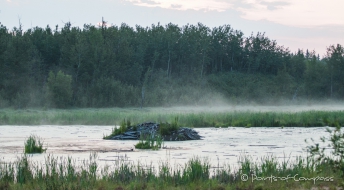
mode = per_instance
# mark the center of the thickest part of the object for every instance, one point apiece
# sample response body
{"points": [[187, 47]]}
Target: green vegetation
{"points": [[196, 174], [335, 142], [59, 93], [123, 127], [187, 119], [33, 144], [122, 66], [167, 129], [147, 141], [154, 143]]}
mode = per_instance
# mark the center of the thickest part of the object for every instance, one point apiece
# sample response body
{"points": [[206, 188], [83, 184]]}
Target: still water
{"points": [[219, 145]]}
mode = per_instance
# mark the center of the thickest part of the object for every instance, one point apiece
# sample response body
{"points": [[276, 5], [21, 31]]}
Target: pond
{"points": [[219, 145]]}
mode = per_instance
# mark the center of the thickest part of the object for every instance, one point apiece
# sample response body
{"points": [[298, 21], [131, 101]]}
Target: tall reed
{"points": [[64, 173], [186, 119], [33, 144]]}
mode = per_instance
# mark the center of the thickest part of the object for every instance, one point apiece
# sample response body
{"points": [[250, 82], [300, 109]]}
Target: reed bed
{"points": [[188, 119], [34, 144], [197, 173]]}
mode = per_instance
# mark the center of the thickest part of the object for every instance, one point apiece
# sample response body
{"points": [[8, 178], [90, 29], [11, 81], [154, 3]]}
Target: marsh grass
{"points": [[65, 173], [187, 119], [123, 127], [150, 142], [33, 144], [167, 128]]}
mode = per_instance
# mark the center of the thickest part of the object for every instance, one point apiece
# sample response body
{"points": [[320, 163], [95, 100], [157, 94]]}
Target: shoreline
{"points": [[254, 116]]}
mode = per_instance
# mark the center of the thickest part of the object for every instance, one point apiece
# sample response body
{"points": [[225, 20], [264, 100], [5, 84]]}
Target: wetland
{"points": [[223, 148]]}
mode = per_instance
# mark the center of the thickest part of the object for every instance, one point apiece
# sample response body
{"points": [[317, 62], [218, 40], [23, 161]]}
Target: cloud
{"points": [[319, 44], [305, 13], [149, 2], [275, 5], [176, 6], [299, 13], [199, 5]]}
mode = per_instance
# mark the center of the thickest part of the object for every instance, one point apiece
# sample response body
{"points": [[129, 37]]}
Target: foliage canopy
{"points": [[158, 66]]}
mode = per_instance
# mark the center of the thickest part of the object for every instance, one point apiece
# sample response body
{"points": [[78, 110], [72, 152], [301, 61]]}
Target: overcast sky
{"points": [[304, 24]]}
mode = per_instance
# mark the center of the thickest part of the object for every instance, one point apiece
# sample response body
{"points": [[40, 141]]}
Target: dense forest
{"points": [[101, 66]]}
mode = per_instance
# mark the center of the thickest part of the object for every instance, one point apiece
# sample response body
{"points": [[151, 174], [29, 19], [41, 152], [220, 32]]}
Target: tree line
{"points": [[100, 66]]}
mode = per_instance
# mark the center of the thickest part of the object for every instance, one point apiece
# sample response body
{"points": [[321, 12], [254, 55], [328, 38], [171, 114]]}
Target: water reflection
{"points": [[219, 145]]}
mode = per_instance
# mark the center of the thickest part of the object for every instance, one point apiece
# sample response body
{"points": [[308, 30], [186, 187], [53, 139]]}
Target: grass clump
{"points": [[197, 170], [33, 144], [154, 143], [167, 129], [123, 127]]}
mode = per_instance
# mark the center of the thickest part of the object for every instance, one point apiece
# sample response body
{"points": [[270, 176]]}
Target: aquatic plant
{"points": [[123, 127], [167, 129], [150, 142], [34, 144]]}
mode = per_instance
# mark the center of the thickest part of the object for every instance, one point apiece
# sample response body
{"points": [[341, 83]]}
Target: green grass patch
{"points": [[33, 144], [111, 116], [167, 129], [154, 143], [123, 127]]}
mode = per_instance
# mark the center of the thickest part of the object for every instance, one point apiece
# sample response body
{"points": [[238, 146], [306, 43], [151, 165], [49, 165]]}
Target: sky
{"points": [[296, 24]]}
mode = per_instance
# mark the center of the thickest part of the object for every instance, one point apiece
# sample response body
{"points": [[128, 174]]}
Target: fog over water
{"points": [[224, 107], [219, 145]]}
